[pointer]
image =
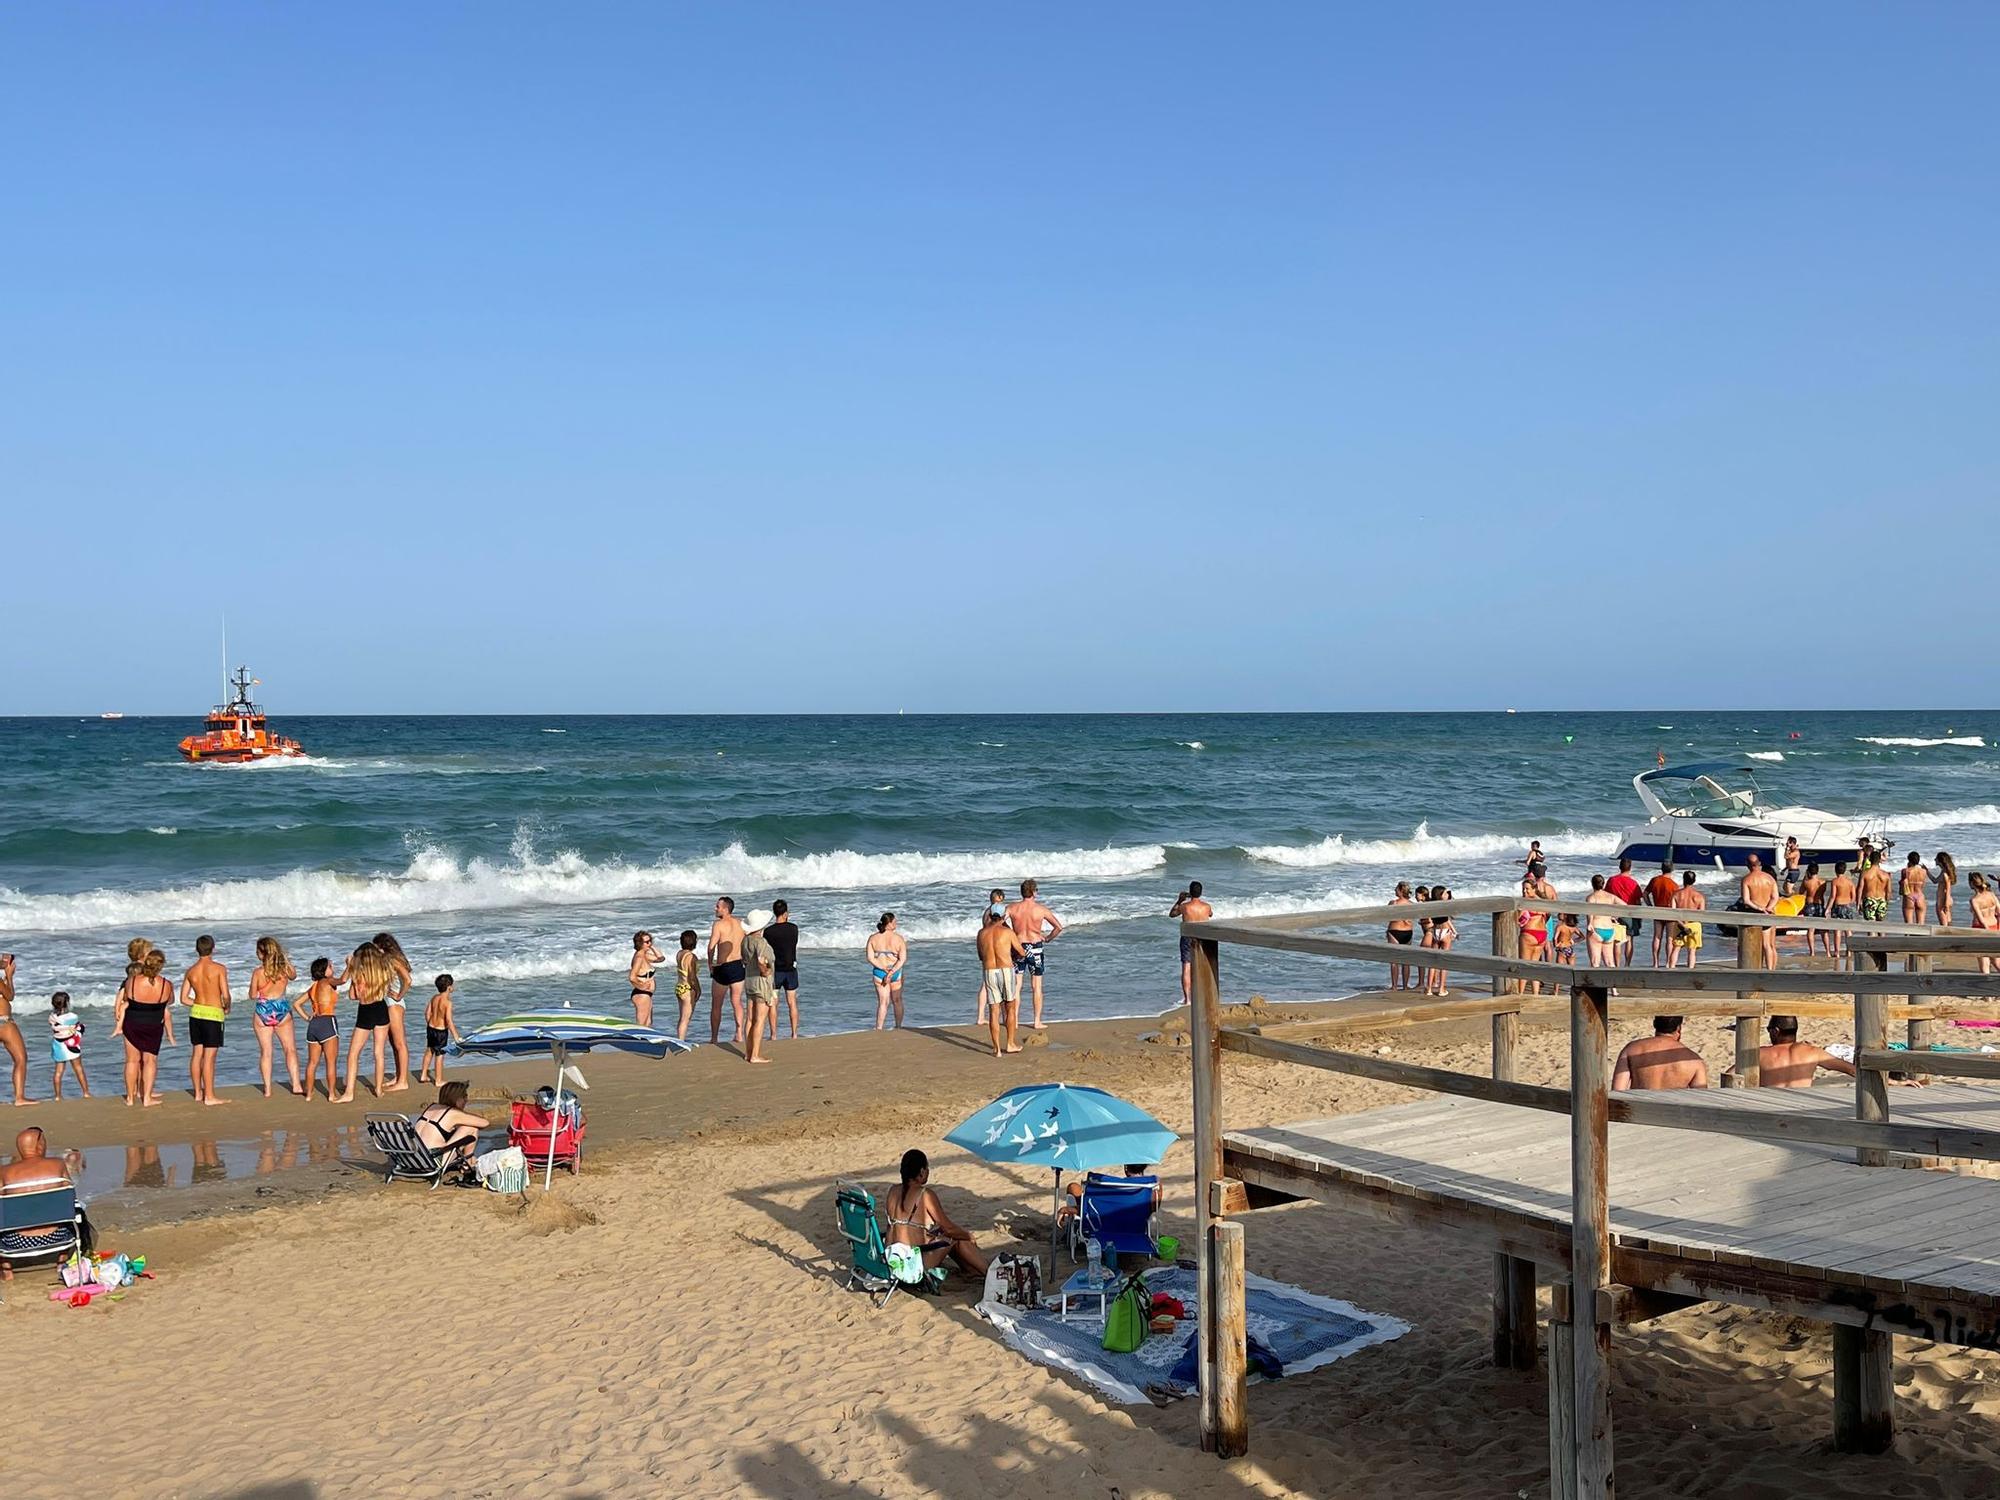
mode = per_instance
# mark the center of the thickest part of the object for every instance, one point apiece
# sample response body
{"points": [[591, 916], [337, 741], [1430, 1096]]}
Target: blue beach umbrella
{"points": [[559, 1033], [1065, 1126]]}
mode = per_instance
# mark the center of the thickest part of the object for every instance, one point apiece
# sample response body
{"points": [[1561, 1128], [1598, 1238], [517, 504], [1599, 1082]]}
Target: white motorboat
{"points": [[1713, 812]]}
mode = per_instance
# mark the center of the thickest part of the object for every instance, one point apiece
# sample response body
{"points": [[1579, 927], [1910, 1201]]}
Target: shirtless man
{"points": [[1661, 891], [1915, 878], [1874, 889], [996, 894], [1660, 1061], [1189, 907], [726, 972], [205, 992], [31, 1168], [10, 1032], [1035, 925], [1843, 904], [1789, 1063], [1759, 892], [999, 986], [1687, 934]]}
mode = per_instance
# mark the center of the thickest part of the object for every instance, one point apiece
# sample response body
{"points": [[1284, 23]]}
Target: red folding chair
{"points": [[529, 1126]]}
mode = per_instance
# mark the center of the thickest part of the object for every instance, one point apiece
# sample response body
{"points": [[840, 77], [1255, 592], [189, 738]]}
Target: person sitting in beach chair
{"points": [[921, 1234], [448, 1128], [854, 1207], [1117, 1212], [1066, 1211], [39, 1213]]}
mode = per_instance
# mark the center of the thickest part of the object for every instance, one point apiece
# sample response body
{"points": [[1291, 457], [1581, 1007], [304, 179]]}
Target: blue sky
{"points": [[648, 357]]}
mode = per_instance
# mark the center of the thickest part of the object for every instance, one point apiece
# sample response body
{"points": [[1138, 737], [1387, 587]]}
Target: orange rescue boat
{"points": [[235, 731]]}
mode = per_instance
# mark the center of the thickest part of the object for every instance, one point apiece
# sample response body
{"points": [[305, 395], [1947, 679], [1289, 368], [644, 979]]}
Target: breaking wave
{"points": [[1423, 845], [1970, 741]]}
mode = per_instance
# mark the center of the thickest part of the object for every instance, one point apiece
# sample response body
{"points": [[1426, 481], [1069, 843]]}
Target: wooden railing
{"points": [[1581, 1457]]}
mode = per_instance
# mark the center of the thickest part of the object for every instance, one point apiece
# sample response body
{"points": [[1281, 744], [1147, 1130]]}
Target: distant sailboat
{"points": [[114, 714]]}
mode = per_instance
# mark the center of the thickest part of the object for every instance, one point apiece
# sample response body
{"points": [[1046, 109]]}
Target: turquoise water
{"points": [[521, 853]]}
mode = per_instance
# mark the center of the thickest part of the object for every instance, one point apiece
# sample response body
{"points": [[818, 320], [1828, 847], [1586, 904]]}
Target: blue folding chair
{"points": [[1118, 1213], [40, 1224]]}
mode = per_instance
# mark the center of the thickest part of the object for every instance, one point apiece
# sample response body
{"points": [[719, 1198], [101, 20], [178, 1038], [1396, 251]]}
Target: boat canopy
{"points": [[1697, 769], [1706, 796]]}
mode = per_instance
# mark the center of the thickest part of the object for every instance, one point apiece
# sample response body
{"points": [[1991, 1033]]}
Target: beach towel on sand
{"points": [[1290, 1330]]}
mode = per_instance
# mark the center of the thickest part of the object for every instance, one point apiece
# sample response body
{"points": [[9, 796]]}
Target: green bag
{"points": [[1128, 1319]]}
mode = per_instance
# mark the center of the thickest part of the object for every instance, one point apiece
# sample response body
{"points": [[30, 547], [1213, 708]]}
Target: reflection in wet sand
{"points": [[214, 1159]]}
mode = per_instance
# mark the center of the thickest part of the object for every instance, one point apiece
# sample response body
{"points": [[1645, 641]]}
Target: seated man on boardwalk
{"points": [[1660, 1061], [1789, 1063]]}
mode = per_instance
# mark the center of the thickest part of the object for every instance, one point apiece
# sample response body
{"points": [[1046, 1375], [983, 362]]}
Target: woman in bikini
{"points": [[921, 1230], [1604, 932], [1947, 878], [887, 954], [1399, 932], [640, 976], [268, 982], [1915, 878], [10, 1031], [1443, 934], [1534, 925], [1985, 907], [449, 1128], [369, 977], [322, 1031], [399, 986], [142, 1017]]}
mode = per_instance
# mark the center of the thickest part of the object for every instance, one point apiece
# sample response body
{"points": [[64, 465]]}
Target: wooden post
{"points": [[1590, 1236], [1506, 944], [1749, 1023], [1513, 1278], [1232, 1355], [1206, 1023], [1871, 1086], [1922, 1033], [1562, 1408], [1864, 1392]]}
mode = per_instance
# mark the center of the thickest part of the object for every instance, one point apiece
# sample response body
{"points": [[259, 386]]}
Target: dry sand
{"points": [[672, 1322]]}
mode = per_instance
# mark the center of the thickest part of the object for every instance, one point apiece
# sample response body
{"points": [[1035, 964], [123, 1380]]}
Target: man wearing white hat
{"points": [[760, 963]]}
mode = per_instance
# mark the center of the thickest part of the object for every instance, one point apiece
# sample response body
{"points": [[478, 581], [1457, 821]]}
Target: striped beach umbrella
{"points": [[1069, 1127], [559, 1033]]}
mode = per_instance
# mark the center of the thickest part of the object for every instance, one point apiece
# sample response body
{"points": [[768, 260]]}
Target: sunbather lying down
{"points": [[921, 1234], [448, 1128], [1073, 1193]]}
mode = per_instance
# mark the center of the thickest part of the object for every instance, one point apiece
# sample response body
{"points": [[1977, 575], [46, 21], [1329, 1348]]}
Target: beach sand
{"points": [[672, 1321]]}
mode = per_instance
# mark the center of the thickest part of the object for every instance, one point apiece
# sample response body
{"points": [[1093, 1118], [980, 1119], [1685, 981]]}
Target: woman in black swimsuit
{"points": [[142, 1018], [448, 1128], [640, 975]]}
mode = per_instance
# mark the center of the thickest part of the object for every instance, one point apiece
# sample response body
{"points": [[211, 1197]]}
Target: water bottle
{"points": [[1093, 1253]]}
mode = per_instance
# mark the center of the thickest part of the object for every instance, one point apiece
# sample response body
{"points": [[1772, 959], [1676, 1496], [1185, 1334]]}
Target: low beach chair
{"points": [[395, 1136], [854, 1207], [1119, 1212], [55, 1215]]}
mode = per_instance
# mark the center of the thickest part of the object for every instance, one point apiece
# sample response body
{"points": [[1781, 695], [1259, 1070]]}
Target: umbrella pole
{"points": [[1055, 1231], [561, 1052]]}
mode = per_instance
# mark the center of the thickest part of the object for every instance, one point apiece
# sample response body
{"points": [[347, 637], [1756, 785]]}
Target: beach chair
{"points": [[529, 1127], [395, 1136], [854, 1208], [32, 1210], [1118, 1211]]}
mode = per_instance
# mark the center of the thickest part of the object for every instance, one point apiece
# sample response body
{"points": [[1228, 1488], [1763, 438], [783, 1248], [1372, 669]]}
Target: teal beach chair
{"points": [[854, 1206]]}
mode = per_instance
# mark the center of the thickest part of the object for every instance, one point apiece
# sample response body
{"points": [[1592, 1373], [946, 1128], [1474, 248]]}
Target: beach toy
{"points": [[1170, 1248]]}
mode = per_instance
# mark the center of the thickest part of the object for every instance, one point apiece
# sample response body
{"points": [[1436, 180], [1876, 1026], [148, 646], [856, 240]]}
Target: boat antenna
{"points": [[225, 656]]}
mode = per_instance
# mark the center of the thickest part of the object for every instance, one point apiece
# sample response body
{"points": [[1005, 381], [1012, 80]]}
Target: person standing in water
{"points": [[640, 976], [687, 980], [268, 982], [887, 954], [1947, 878], [369, 976], [205, 992], [1035, 925], [1189, 908], [998, 948], [1915, 878], [782, 933], [142, 1020], [399, 987], [996, 894], [10, 1031]]}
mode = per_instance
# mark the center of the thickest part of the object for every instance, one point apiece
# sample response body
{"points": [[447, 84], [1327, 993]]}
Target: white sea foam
{"points": [[437, 881], [1765, 754], [1191, 744], [1970, 741], [1424, 845], [164, 830], [1951, 817]]}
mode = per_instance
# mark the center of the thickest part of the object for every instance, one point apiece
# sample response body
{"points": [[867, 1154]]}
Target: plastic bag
{"points": [[503, 1171]]}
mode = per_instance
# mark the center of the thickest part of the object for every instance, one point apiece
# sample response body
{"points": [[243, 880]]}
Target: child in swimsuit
{"points": [[1567, 933], [66, 1041], [687, 980], [322, 1031], [440, 1028]]}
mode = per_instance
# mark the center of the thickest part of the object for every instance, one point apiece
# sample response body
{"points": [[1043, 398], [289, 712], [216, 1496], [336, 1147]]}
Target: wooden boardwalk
{"points": [[1794, 1228]]}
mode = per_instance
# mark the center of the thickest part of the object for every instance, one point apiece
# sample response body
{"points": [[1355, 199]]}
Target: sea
{"points": [[520, 853]]}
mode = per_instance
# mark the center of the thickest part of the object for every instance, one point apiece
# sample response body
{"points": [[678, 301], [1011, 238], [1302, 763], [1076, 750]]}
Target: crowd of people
{"points": [[376, 977], [1664, 1061]]}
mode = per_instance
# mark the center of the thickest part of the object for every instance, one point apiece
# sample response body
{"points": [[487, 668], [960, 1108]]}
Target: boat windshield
{"points": [[1705, 797]]}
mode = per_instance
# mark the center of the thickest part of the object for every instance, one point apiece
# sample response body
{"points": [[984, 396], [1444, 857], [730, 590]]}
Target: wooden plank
{"points": [[1864, 1406], [1590, 1237], [1562, 1408], [1232, 1357], [1871, 1089], [1790, 1129], [1464, 961], [1965, 940], [1943, 1064], [1387, 1070], [1206, 1023]]}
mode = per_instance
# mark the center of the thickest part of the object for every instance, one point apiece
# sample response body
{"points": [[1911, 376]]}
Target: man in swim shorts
{"points": [[1874, 890], [1660, 892], [1000, 986], [1191, 908], [1035, 925], [725, 968], [1758, 892], [205, 992], [783, 936]]}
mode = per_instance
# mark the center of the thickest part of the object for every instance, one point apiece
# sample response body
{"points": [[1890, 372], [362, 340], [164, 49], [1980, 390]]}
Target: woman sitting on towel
{"points": [[921, 1234], [448, 1128]]}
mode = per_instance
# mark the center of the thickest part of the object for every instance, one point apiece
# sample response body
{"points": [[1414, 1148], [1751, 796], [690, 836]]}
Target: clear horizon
{"points": [[784, 360]]}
